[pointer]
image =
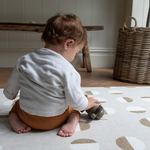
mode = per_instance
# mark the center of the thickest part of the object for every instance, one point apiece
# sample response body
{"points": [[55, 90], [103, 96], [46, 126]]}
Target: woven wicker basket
{"points": [[132, 62]]}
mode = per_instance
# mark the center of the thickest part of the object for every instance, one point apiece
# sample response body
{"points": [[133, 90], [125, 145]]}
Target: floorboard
{"points": [[99, 77]]}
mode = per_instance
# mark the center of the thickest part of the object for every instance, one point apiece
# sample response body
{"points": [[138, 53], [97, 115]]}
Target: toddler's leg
{"points": [[69, 128], [18, 125]]}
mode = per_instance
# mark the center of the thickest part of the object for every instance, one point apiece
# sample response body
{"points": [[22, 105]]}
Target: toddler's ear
{"points": [[68, 43]]}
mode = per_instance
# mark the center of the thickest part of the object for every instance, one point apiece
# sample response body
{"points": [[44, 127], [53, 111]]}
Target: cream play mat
{"points": [[126, 125]]}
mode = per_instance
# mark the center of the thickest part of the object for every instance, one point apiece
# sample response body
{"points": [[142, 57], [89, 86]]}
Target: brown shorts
{"points": [[42, 123]]}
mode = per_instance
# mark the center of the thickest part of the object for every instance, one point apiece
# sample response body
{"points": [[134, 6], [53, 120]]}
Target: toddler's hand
{"points": [[91, 103]]}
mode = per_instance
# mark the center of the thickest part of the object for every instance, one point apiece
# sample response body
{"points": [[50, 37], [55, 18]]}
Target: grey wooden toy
{"points": [[95, 112]]}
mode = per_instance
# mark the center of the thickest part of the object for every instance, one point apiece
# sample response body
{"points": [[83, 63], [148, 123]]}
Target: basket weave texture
{"points": [[132, 63]]}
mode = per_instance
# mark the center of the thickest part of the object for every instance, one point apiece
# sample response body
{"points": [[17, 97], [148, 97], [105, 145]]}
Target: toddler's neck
{"points": [[56, 48]]}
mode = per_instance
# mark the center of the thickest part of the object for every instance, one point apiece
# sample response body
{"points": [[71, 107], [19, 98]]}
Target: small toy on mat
{"points": [[95, 112]]}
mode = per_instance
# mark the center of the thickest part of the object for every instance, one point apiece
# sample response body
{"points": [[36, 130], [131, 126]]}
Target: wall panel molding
{"points": [[100, 58], [110, 13], [29, 49]]}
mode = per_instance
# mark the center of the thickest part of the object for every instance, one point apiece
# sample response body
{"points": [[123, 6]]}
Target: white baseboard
{"points": [[100, 57]]}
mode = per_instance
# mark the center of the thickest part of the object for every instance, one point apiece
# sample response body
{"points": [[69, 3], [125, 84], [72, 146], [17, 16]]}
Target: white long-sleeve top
{"points": [[48, 83]]}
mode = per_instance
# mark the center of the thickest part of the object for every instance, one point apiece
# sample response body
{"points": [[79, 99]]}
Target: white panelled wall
{"points": [[110, 13]]}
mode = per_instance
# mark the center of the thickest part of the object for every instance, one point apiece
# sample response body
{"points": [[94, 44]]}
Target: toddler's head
{"points": [[62, 27]]}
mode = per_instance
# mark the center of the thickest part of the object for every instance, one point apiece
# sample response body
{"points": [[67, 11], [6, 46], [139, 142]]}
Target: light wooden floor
{"points": [[96, 78]]}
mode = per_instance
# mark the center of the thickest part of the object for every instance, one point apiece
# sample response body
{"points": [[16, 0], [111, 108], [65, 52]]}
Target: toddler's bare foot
{"points": [[17, 124], [69, 128]]}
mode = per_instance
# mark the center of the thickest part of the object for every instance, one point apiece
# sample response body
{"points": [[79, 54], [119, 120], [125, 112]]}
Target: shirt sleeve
{"points": [[73, 92], [12, 88]]}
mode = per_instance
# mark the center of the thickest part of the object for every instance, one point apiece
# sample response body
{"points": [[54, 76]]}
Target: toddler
{"points": [[50, 91]]}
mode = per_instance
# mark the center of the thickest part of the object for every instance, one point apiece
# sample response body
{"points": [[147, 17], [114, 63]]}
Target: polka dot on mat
{"points": [[136, 109], [84, 144], [115, 92], [124, 99], [145, 122], [130, 143], [92, 92], [81, 126], [108, 110], [100, 100], [145, 98], [130, 86]]}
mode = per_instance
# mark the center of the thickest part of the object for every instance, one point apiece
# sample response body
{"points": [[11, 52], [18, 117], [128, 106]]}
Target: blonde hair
{"points": [[62, 27]]}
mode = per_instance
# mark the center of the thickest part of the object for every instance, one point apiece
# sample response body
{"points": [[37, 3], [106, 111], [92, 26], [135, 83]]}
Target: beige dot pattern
{"points": [[137, 111], [145, 122], [89, 92], [84, 125], [128, 99], [81, 141], [124, 144], [124, 127]]}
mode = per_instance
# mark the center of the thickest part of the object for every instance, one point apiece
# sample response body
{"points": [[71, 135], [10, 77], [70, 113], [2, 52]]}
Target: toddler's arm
{"points": [[91, 103], [12, 88]]}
